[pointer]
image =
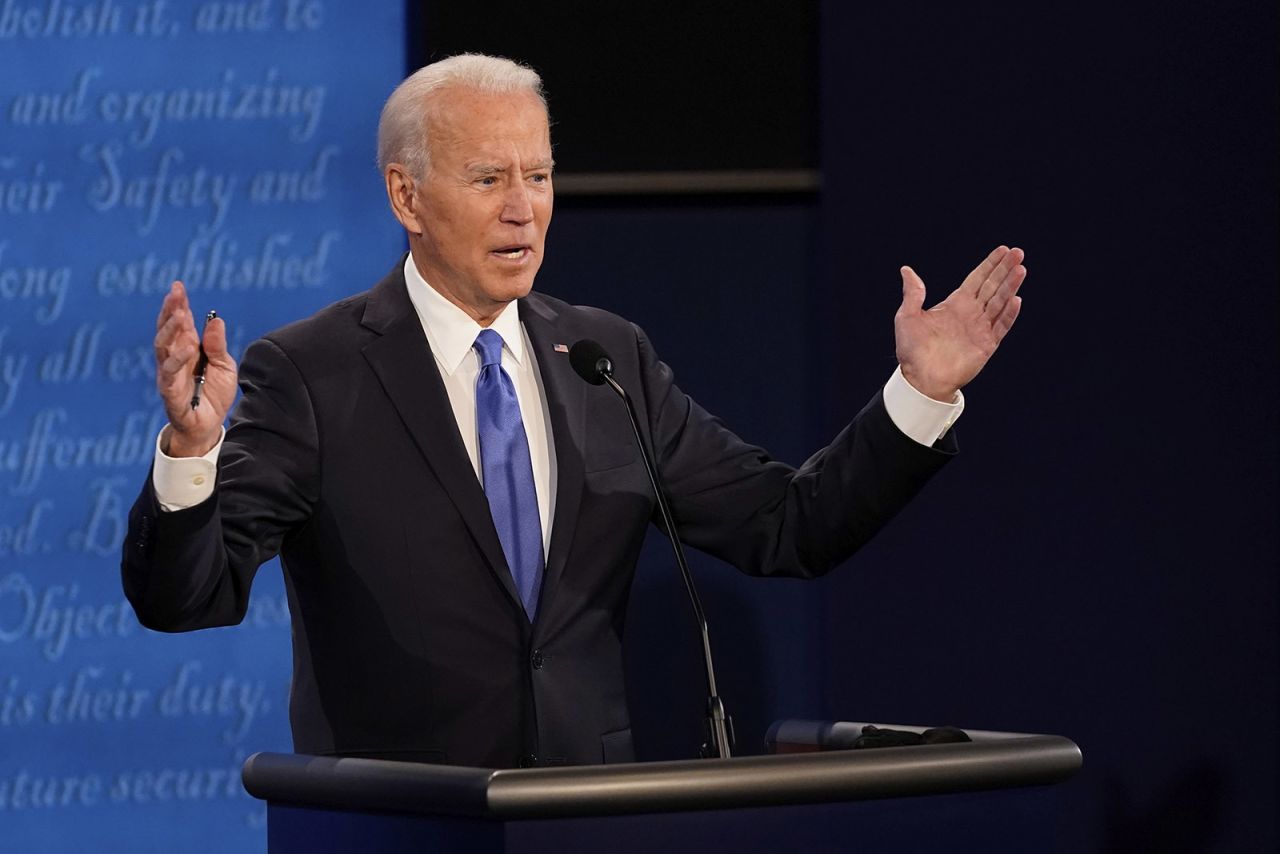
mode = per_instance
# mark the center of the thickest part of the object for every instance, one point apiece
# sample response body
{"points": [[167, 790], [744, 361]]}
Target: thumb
{"points": [[912, 291], [214, 340]]}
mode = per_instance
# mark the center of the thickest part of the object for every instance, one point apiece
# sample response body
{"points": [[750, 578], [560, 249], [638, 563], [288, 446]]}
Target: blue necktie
{"points": [[508, 473]]}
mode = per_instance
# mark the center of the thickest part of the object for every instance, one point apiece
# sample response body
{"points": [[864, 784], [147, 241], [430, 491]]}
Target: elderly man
{"points": [[458, 514]]}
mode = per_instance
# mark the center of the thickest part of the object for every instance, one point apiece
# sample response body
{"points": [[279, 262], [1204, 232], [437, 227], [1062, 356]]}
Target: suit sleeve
{"points": [[193, 568], [766, 518]]}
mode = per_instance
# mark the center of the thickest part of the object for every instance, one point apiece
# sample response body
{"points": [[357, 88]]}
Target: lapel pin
{"points": [[561, 348]]}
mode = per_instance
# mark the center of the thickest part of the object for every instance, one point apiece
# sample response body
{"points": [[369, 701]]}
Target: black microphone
{"points": [[590, 361], [593, 364]]}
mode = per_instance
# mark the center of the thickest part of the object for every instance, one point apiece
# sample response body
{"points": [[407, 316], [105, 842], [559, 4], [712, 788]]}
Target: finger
{"points": [[179, 360], [175, 300], [913, 292], [979, 274], [1000, 299], [176, 345], [176, 326], [992, 283], [1005, 321], [167, 334]]}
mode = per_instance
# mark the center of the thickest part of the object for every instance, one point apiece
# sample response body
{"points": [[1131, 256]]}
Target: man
{"points": [[458, 514]]}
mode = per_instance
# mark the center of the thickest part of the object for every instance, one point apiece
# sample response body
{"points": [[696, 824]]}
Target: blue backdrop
{"points": [[230, 145]]}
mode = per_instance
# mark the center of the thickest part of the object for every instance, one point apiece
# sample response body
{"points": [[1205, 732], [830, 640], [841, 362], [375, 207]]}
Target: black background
{"points": [[660, 85]]}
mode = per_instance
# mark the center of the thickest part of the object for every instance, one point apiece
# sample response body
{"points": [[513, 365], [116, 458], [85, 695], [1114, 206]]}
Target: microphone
{"points": [[591, 361], [593, 364]]}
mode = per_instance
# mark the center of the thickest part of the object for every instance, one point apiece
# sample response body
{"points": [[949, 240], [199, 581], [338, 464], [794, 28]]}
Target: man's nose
{"points": [[517, 208]]}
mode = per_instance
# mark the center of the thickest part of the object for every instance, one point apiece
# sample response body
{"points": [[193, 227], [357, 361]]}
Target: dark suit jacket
{"points": [[409, 642]]}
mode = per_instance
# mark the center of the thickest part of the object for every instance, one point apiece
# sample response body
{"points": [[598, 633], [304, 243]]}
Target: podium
{"points": [[325, 804]]}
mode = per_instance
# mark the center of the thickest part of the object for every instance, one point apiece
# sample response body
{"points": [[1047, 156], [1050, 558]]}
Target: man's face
{"points": [[485, 203]]}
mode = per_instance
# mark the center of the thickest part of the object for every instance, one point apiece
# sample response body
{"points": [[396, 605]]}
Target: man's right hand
{"points": [[192, 432]]}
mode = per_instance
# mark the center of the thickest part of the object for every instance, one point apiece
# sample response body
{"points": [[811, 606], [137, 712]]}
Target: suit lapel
{"points": [[566, 406], [402, 360]]}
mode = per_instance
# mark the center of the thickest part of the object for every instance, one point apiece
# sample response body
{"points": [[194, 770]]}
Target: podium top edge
{"points": [[1007, 760]]}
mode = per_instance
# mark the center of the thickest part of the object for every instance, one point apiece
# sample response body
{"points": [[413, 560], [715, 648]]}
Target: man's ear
{"points": [[400, 192]]}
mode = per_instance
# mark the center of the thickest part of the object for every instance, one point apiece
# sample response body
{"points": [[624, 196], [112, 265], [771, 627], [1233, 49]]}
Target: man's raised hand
{"points": [[192, 432], [942, 349]]}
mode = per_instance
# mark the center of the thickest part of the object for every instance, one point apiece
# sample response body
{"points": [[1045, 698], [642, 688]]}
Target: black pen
{"points": [[201, 364]]}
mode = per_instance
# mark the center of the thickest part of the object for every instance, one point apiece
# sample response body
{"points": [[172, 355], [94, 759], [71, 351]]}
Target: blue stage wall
{"points": [[232, 145]]}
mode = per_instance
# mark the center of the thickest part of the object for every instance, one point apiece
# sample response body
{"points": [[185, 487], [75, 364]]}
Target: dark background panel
{"points": [[1101, 560], [661, 85]]}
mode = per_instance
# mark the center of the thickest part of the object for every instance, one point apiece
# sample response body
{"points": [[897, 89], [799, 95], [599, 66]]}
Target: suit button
{"points": [[529, 760], [537, 659]]}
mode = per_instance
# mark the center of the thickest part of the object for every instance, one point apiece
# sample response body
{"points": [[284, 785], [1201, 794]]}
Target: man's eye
{"points": [[540, 178], [488, 181]]}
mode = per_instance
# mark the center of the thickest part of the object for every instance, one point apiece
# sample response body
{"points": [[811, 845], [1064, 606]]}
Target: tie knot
{"points": [[489, 346]]}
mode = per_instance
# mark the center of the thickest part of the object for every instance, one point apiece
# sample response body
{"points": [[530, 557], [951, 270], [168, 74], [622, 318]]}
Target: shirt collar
{"points": [[450, 331]]}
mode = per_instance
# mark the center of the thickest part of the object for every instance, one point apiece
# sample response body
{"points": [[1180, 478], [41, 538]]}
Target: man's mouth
{"points": [[512, 253]]}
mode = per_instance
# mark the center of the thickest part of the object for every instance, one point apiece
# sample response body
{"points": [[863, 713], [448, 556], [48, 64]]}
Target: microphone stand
{"points": [[719, 724]]}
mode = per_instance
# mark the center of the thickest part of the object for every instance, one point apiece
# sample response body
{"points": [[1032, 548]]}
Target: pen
{"points": [[201, 365]]}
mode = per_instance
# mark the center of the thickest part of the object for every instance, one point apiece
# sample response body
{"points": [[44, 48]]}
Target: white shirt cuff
{"points": [[919, 416], [182, 482]]}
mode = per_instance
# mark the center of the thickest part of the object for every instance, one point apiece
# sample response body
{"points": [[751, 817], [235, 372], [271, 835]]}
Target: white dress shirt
{"points": [[182, 482], [451, 333]]}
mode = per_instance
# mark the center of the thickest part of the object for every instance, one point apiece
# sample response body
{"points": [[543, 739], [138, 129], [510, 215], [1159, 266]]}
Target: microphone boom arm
{"points": [[719, 725]]}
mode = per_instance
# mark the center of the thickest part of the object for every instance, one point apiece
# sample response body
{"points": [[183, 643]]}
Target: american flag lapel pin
{"points": [[561, 348]]}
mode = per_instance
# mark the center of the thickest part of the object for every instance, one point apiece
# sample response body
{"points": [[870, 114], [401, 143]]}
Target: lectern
{"points": [[324, 804]]}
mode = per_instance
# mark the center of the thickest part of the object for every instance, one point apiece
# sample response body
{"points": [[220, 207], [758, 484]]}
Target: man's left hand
{"points": [[942, 349]]}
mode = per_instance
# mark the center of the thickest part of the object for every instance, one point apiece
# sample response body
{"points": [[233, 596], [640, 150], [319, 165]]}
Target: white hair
{"points": [[402, 130]]}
